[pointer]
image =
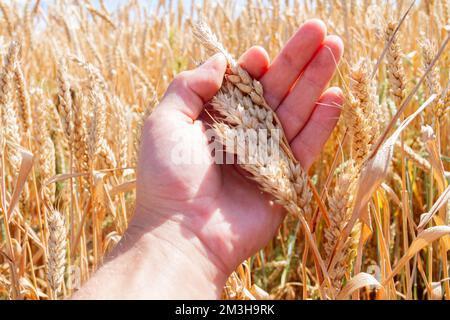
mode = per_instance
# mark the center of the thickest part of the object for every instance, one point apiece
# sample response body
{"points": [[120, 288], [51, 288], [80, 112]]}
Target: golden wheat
{"points": [[78, 80]]}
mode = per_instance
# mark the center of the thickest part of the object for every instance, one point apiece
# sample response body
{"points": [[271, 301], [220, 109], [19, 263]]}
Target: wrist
{"points": [[182, 257]]}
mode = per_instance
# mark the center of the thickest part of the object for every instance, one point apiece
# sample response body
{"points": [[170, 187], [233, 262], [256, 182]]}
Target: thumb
{"points": [[190, 90]]}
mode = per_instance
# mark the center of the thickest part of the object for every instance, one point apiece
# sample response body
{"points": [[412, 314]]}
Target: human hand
{"points": [[215, 204]]}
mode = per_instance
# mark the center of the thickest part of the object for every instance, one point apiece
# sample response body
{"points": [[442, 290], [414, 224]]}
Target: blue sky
{"points": [[112, 4]]}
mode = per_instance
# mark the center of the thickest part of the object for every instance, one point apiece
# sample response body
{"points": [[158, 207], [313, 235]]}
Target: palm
{"points": [[224, 209]]}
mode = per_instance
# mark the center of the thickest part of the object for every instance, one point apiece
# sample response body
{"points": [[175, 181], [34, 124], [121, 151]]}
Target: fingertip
{"points": [[335, 94], [256, 61], [190, 90], [316, 25], [206, 80], [336, 45], [333, 100], [217, 63]]}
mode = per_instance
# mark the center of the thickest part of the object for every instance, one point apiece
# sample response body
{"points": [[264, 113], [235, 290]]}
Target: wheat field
{"points": [[78, 79]]}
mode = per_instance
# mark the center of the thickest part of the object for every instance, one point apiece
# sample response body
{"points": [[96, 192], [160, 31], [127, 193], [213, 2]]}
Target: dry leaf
{"points": [[25, 168], [359, 281], [436, 291], [440, 202], [122, 188], [423, 239], [259, 293]]}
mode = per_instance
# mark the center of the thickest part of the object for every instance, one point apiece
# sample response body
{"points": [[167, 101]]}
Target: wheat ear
{"points": [[23, 97], [65, 100], [97, 100], [7, 16], [79, 131], [106, 155], [46, 151], [395, 71], [56, 251], [361, 113], [122, 126], [340, 204], [432, 79], [420, 161], [10, 125]]}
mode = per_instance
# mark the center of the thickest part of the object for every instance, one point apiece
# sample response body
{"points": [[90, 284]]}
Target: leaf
{"points": [[445, 240], [359, 281], [432, 145], [423, 239], [122, 188], [426, 237], [440, 202], [259, 293], [24, 227], [25, 168], [64, 177], [436, 291], [27, 289]]}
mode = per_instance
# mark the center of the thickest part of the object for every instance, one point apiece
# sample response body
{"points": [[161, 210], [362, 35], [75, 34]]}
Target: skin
{"points": [[194, 223]]}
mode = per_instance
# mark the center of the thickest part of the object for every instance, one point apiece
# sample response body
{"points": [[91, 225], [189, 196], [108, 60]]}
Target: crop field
{"points": [[79, 78]]}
